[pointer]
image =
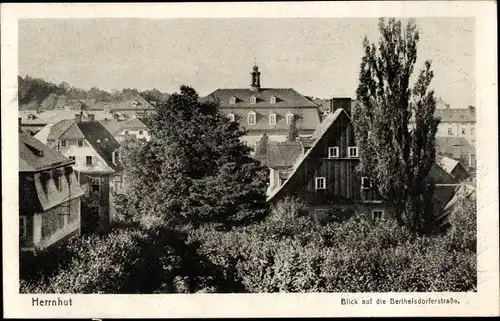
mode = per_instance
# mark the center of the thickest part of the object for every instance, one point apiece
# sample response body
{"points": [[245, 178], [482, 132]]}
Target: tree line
{"points": [[36, 90]]}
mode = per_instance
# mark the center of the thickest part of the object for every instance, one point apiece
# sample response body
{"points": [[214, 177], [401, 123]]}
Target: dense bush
{"points": [[289, 252], [155, 260]]}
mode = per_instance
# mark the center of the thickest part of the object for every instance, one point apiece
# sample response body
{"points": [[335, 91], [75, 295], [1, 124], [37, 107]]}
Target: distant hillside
{"points": [[35, 92]]}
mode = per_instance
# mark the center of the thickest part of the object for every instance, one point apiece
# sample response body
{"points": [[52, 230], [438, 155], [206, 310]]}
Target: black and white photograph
{"points": [[250, 155]]}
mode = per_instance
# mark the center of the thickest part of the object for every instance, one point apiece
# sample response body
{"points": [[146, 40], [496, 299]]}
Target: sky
{"points": [[318, 57]]}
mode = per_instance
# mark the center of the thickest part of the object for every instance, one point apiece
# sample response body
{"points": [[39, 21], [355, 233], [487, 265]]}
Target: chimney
{"points": [[79, 117], [344, 103]]}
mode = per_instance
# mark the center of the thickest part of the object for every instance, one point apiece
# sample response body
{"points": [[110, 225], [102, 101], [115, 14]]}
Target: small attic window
{"points": [[253, 100], [232, 100], [289, 118], [273, 100], [135, 103], [230, 116]]}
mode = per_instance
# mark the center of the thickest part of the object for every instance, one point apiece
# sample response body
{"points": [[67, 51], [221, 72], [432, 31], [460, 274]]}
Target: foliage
{"points": [[397, 158], [194, 169], [262, 145], [128, 261], [293, 132], [287, 253]]}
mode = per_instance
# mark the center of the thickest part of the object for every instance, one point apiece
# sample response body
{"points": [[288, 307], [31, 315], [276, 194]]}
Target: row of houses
{"points": [[68, 166], [320, 166]]}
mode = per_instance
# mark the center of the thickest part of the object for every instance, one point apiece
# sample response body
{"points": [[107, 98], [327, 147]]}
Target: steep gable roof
{"points": [[317, 135], [35, 156], [115, 127], [446, 163], [101, 140], [56, 130]]}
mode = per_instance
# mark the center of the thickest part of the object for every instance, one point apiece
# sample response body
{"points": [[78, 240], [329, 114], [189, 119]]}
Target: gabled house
{"points": [[266, 110], [131, 129], [97, 164], [452, 167], [49, 196], [325, 175], [457, 148]]}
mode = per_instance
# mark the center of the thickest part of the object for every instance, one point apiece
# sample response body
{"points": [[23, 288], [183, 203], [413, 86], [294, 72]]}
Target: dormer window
{"points": [[333, 152], [272, 119], [272, 100], [116, 157], [289, 118], [253, 100], [252, 118], [134, 103], [230, 116], [232, 100], [352, 152]]}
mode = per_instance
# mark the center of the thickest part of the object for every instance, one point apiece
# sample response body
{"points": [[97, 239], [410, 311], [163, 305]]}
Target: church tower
{"points": [[255, 79]]}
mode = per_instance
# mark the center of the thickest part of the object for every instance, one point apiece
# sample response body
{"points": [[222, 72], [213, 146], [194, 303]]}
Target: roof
{"points": [[454, 115], [101, 140], [305, 118], [56, 130], [285, 98], [282, 154], [446, 163], [115, 127], [324, 104], [35, 156], [55, 116], [317, 135], [43, 133], [455, 147]]}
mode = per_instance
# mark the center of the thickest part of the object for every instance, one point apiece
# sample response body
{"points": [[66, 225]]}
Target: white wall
{"points": [[80, 154]]}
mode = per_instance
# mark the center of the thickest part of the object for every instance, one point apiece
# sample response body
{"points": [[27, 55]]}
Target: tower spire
{"points": [[255, 77]]}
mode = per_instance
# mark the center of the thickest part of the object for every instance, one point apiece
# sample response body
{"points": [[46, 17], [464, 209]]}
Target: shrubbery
{"points": [[291, 253]]}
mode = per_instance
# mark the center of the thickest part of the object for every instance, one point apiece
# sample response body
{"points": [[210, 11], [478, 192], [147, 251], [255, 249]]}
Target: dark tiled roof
{"points": [[306, 118], [283, 154], [59, 128], [455, 147], [101, 140], [115, 127], [456, 115], [35, 156], [285, 97]]}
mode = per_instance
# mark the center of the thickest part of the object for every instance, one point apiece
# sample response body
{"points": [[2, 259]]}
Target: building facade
{"points": [[96, 156], [49, 196], [324, 174], [267, 110], [130, 129]]}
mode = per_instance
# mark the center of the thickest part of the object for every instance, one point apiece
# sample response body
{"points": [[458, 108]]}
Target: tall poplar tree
{"points": [[395, 153]]}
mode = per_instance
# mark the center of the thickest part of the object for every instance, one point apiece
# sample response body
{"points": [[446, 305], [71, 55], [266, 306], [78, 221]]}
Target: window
{"points": [[353, 151], [126, 132], [80, 143], [289, 118], [57, 147], [253, 100], [472, 160], [251, 118], [272, 100], [58, 181], [377, 215], [320, 183], [141, 132], [333, 152], [232, 100], [63, 143], [72, 158], [272, 119], [463, 131], [450, 131], [366, 183], [23, 228], [96, 184], [230, 116], [88, 160]]}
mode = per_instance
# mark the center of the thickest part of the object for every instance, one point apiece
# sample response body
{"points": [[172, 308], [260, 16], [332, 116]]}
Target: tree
{"points": [[396, 156], [293, 132], [176, 175], [262, 145]]}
